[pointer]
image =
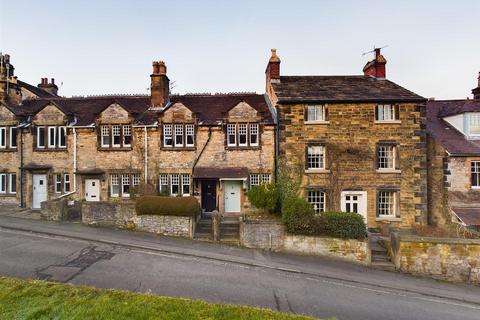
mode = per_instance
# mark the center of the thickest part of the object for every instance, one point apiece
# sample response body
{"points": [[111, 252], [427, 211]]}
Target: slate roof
{"points": [[209, 108], [469, 216], [39, 92], [445, 134], [341, 89], [213, 108]]}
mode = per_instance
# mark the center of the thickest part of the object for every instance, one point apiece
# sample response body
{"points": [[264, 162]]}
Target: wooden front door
{"points": [[209, 195]]}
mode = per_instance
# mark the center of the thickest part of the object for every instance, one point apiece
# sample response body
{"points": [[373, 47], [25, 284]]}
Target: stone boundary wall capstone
{"points": [[447, 259], [122, 215], [271, 235]]}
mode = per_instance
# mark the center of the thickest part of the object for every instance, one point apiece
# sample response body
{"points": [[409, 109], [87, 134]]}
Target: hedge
{"points": [[264, 196], [299, 218], [167, 206]]}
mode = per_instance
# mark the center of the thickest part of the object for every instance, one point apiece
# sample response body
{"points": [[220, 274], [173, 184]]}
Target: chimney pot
{"points": [[53, 80]]}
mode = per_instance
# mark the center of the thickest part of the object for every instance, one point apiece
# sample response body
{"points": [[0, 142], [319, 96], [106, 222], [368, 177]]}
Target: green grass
{"points": [[35, 299]]}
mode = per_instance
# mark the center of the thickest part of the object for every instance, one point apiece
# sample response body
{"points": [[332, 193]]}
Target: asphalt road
{"points": [[305, 285]]}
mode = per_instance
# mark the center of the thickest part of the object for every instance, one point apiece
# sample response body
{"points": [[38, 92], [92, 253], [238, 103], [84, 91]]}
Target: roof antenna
{"points": [[365, 53]]}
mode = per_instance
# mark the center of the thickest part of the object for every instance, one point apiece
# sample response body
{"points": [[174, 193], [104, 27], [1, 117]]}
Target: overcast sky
{"points": [[101, 47]]}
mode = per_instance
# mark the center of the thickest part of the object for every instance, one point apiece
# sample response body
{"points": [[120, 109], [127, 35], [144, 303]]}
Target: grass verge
{"points": [[35, 299]]}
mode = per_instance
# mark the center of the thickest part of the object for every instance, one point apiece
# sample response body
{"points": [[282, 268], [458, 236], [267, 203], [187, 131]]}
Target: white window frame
{"points": [[254, 180], [3, 188], [386, 113], [475, 169], [168, 128], [388, 150], [38, 137], [163, 181], [189, 132], [3, 137], [254, 132], [185, 182], [178, 132], [62, 130], [265, 178], [114, 178], [312, 153], [12, 177], [391, 205], [175, 181], [58, 184], [51, 130], [474, 121], [315, 113], [317, 198], [136, 179], [242, 129], [127, 132], [116, 129], [231, 132], [66, 181], [105, 132], [11, 140], [125, 182]]}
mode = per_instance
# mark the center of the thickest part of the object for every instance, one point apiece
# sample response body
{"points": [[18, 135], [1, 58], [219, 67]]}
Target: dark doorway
{"points": [[209, 195]]}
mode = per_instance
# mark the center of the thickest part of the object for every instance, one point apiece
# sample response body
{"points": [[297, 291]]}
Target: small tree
{"points": [[264, 196]]}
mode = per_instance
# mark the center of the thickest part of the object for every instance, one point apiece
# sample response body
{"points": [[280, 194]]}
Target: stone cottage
{"points": [[353, 143], [214, 147], [454, 160]]}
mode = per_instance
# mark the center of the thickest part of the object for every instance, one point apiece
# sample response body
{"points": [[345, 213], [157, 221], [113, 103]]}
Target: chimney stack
{"points": [[160, 84], [273, 68], [376, 67], [49, 87], [476, 91]]}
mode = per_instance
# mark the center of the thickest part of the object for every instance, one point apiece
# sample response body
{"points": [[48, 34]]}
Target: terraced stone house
{"points": [[354, 143], [214, 147], [454, 160]]}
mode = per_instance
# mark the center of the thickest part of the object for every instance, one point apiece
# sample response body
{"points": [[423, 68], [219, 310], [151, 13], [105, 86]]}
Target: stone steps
{"points": [[380, 258]]}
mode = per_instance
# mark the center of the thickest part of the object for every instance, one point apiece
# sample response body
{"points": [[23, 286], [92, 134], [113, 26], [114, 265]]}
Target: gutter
{"points": [[146, 153], [313, 100], [74, 159], [22, 172]]}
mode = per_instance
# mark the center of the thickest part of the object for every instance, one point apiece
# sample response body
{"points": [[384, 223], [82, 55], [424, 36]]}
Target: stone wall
{"points": [[271, 235], [121, 214], [61, 209], [440, 258]]}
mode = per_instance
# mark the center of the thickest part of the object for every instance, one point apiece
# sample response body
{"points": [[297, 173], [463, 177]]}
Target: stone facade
{"points": [[271, 235], [445, 259]]}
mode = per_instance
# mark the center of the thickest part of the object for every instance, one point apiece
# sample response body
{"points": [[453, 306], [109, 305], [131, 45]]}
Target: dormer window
{"points": [[242, 135], [178, 136], [474, 124], [387, 113], [115, 136]]}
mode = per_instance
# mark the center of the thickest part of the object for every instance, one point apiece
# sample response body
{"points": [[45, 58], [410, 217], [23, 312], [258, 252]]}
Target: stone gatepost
{"points": [[216, 219]]}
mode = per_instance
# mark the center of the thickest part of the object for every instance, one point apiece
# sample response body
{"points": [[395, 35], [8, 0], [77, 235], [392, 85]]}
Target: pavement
{"points": [[107, 258]]}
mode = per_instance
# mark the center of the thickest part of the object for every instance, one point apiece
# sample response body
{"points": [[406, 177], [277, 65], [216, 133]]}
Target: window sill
{"points": [[8, 149], [390, 219], [475, 188], [317, 171], [242, 148], [10, 195], [115, 149], [50, 149], [388, 121], [317, 122], [388, 171], [178, 148]]}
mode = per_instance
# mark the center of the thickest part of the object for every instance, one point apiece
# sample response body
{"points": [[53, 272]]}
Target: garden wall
{"points": [[441, 258], [122, 215], [271, 235]]}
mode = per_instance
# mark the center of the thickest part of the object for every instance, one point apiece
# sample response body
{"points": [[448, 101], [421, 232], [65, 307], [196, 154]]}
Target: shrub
{"points": [[340, 225], [167, 206], [297, 215], [264, 196]]}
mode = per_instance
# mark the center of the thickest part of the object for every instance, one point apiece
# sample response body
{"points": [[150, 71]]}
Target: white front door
{"points": [[39, 190], [355, 201], [92, 189], [232, 191]]}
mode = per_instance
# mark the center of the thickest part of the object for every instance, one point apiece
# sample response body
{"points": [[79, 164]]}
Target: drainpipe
{"points": [[146, 153], [74, 159], [201, 152], [22, 200]]}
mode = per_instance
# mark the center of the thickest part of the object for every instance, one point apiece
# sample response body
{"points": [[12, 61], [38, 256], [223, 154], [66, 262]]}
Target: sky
{"points": [[107, 47]]}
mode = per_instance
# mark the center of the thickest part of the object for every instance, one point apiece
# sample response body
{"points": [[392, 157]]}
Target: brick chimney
{"points": [[376, 67], [273, 68], [476, 91], [160, 84], [49, 87]]}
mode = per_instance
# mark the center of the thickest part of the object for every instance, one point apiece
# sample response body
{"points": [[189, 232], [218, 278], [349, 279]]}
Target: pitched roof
{"points": [[213, 108], [39, 92], [445, 134], [341, 89], [469, 216]]}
